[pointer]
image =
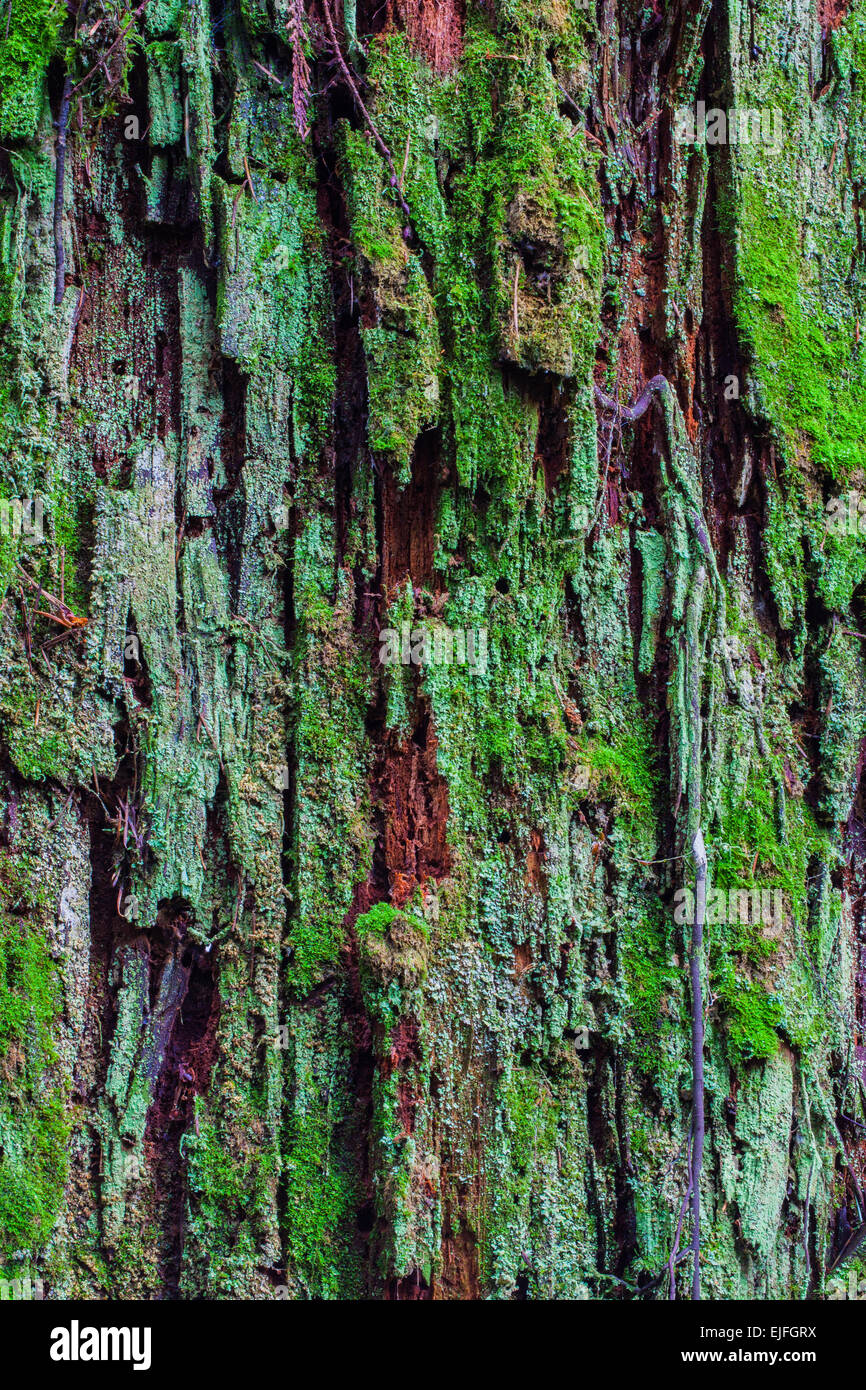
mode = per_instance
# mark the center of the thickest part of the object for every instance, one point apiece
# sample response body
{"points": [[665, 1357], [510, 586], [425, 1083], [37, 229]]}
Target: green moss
{"points": [[811, 369], [27, 44], [377, 920], [768, 840], [33, 1125], [624, 768], [164, 92], [322, 1188], [767, 843], [520, 173], [331, 848], [652, 987], [229, 1192], [752, 1017]]}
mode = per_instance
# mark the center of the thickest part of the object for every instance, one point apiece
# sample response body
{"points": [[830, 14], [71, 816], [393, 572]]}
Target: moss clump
{"points": [[377, 921], [320, 1172], [522, 200], [766, 845], [811, 369], [394, 956], [625, 768], [26, 49], [402, 347], [652, 986], [752, 1017], [33, 1126]]}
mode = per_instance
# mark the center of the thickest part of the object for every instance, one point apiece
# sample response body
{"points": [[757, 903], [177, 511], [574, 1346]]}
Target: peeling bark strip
{"points": [[59, 180], [296, 28], [433, 27], [832, 13], [334, 966]]}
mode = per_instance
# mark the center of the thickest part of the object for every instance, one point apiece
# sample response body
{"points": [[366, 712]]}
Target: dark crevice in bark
{"points": [[352, 1137], [740, 448], [184, 1016], [411, 1287], [348, 451], [625, 1218], [409, 517], [135, 668], [94, 1054], [414, 798], [554, 430], [230, 500], [459, 1277]]}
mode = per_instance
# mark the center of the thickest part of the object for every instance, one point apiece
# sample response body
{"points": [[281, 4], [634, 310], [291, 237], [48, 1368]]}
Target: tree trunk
{"points": [[433, 514]]}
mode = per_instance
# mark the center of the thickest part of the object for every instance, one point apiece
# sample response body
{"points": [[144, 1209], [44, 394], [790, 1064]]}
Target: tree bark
{"points": [[448, 426]]}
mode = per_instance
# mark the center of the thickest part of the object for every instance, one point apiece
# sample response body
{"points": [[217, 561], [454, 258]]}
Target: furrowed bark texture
{"points": [[329, 966]]}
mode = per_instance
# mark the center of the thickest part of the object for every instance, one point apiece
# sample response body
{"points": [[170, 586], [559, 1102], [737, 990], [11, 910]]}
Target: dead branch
{"points": [[57, 610], [368, 119], [101, 64], [653, 388]]}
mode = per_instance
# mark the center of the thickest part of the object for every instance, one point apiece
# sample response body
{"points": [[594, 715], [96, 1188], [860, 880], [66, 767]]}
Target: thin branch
{"points": [[371, 126], [101, 64], [806, 1224], [405, 159], [614, 422], [653, 388]]}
